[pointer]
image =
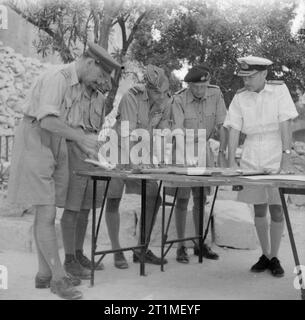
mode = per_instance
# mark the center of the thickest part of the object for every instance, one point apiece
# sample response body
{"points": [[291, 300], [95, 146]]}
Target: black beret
{"points": [[199, 73]]}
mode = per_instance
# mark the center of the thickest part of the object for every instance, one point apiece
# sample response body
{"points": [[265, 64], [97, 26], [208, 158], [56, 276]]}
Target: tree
{"points": [[217, 34], [65, 26]]}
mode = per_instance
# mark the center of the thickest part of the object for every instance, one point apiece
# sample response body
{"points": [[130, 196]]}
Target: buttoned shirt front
{"points": [[259, 113], [135, 108], [189, 112]]}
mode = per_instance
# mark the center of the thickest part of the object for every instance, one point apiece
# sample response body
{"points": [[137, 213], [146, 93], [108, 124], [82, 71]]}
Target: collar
{"points": [[190, 97]]}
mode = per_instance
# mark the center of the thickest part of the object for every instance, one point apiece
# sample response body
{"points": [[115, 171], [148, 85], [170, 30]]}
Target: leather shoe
{"points": [[120, 261], [207, 252], [65, 289], [261, 265], [182, 256], [77, 270], [149, 257], [45, 282], [85, 262]]}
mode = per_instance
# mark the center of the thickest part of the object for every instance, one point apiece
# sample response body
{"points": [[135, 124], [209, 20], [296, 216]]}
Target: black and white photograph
{"points": [[152, 153]]}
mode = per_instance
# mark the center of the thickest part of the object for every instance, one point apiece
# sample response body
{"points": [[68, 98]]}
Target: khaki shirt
{"points": [[59, 93], [188, 112], [135, 108]]}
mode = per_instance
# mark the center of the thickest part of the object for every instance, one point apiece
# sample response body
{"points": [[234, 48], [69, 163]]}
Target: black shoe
{"points": [[276, 268], [120, 261], [45, 282], [261, 265], [207, 252], [85, 262], [65, 289], [77, 270], [182, 256], [149, 257]]}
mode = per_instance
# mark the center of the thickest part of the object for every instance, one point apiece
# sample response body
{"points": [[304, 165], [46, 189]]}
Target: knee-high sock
{"points": [[68, 227], [112, 216], [262, 229], [180, 215], [46, 239], [81, 229], [196, 213], [276, 232], [151, 214], [43, 267]]}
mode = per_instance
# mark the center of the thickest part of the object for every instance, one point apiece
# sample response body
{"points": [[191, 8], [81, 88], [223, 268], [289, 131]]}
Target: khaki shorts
{"points": [[185, 193], [116, 188], [39, 167], [80, 189]]}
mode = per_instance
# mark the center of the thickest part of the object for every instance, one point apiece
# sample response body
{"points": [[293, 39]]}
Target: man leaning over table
{"points": [[144, 106], [200, 106], [262, 110], [39, 172]]}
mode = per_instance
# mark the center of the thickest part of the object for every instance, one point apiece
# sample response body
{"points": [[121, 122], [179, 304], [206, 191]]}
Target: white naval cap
{"points": [[250, 65]]}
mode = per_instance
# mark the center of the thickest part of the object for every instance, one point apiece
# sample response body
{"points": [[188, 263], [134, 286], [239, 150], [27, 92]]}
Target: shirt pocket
{"points": [[96, 116], [209, 121], [191, 122]]}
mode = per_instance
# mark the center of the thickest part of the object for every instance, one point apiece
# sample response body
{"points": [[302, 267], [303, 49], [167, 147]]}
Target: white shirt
{"points": [[259, 113]]}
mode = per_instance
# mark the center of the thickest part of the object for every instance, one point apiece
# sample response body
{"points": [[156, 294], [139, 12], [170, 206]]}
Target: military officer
{"points": [[262, 110], [200, 106], [39, 171]]}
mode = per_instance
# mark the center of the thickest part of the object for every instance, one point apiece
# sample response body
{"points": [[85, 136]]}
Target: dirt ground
{"points": [[227, 278]]}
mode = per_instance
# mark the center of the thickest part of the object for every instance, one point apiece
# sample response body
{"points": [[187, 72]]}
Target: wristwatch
{"points": [[287, 151]]}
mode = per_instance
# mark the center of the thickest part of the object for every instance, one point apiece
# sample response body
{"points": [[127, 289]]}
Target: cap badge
{"points": [[244, 66]]}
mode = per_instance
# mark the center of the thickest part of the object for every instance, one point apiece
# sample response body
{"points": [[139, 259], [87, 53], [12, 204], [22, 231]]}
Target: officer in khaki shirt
{"points": [[39, 169], [142, 107], [200, 106], [88, 116]]}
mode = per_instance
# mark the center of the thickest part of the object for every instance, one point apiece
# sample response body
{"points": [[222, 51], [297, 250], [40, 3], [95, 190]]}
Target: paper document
{"points": [[201, 171], [289, 177]]}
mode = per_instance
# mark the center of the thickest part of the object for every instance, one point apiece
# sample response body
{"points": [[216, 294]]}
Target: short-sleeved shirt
{"points": [[259, 113], [189, 112], [135, 108], [59, 92]]}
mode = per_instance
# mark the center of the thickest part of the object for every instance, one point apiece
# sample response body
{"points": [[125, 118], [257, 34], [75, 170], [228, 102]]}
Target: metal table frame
{"points": [[174, 180]]}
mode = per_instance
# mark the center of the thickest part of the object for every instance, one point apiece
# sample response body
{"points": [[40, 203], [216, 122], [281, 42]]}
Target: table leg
{"points": [[93, 243], [292, 243], [210, 217], [163, 227], [201, 190], [143, 222]]}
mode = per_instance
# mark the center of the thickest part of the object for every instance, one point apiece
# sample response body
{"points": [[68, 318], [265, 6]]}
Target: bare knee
{"points": [[276, 213], [181, 204], [45, 215], [260, 210], [112, 205]]}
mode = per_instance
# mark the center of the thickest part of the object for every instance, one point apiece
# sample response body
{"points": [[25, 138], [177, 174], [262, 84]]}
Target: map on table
{"points": [[203, 171]]}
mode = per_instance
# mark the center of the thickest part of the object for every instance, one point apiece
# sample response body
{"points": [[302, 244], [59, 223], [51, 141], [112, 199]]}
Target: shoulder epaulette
{"points": [[241, 90], [180, 91], [137, 89], [66, 73], [275, 82]]}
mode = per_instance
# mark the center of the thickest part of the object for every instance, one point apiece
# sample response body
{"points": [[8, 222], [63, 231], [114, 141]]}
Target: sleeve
{"points": [[221, 110], [234, 116], [287, 109], [128, 111], [177, 114], [51, 94], [165, 122]]}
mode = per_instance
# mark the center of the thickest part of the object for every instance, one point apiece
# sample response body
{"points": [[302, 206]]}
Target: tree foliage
{"points": [[207, 31]]}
